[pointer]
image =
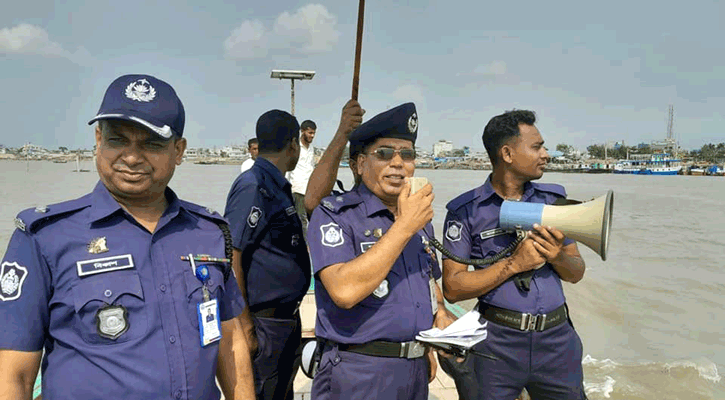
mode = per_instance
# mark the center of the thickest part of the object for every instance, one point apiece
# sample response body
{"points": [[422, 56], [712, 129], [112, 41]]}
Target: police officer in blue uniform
{"points": [[374, 273], [521, 296], [270, 254], [100, 284]]}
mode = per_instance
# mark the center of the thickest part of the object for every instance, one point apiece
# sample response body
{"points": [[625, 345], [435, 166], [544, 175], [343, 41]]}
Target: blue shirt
{"points": [[341, 229], [65, 275], [268, 232], [475, 212]]}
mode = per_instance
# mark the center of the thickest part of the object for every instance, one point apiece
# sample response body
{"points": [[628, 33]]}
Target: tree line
{"points": [[713, 153]]}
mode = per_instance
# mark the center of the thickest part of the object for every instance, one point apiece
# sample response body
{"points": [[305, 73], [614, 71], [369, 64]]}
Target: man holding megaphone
{"points": [[521, 296]]}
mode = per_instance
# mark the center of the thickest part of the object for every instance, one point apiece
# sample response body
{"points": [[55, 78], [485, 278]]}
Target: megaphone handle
{"points": [[523, 280]]}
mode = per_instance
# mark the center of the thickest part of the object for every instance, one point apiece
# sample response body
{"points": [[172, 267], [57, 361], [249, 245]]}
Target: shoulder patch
{"points": [[12, 277], [461, 200], [550, 188], [255, 214], [32, 219], [453, 230], [332, 235], [339, 202]]}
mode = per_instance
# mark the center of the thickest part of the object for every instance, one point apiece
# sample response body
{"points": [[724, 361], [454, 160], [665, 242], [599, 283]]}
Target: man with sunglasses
{"points": [[374, 274]]}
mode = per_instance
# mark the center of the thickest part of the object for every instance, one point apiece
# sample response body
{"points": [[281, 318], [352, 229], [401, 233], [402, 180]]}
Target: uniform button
{"points": [[337, 359], [177, 394], [209, 282], [108, 293], [417, 304], [162, 288], [172, 339]]}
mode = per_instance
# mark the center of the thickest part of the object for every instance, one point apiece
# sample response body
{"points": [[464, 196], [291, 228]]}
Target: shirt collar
{"points": [[103, 204], [373, 204], [486, 190], [273, 172]]}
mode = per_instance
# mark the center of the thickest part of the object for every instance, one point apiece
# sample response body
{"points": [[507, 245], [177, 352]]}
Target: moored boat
{"points": [[649, 164]]}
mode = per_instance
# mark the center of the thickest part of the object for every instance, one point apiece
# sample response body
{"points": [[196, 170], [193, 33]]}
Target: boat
{"points": [[649, 164], [696, 171]]}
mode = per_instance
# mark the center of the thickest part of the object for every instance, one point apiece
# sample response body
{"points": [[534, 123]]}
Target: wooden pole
{"points": [[358, 49]]}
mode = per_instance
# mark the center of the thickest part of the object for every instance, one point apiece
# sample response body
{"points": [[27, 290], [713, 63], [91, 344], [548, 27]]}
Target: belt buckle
{"points": [[411, 350], [531, 322]]}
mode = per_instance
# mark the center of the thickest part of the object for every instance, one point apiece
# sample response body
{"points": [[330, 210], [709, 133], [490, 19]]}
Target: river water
{"points": [[651, 316]]}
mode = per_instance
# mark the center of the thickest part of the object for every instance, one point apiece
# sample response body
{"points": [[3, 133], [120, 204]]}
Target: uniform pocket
{"points": [[94, 294], [195, 293]]}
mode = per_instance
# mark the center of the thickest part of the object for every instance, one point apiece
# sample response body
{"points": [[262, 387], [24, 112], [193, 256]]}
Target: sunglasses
{"points": [[387, 154]]}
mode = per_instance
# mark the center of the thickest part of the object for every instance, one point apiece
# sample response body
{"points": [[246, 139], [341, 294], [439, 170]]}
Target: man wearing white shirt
{"points": [[301, 174], [253, 145]]}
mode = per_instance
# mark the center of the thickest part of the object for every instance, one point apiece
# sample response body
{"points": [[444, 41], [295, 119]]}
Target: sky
{"points": [[594, 72]]}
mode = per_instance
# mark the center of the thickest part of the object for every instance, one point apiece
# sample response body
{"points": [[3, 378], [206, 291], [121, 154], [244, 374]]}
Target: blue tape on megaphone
{"points": [[520, 215]]}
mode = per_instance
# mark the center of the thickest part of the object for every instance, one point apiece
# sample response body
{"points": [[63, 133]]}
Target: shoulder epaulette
{"points": [[204, 212], [337, 203], [461, 200], [32, 219], [550, 188]]}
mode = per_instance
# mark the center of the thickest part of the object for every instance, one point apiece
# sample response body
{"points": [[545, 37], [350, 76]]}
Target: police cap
{"points": [[400, 122]]}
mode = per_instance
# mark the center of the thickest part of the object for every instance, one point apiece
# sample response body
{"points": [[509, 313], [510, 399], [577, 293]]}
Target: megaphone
{"points": [[588, 223]]}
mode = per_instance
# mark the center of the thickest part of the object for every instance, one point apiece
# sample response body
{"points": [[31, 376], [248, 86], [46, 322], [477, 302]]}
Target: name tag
{"points": [[106, 264], [364, 246], [433, 298], [210, 329]]}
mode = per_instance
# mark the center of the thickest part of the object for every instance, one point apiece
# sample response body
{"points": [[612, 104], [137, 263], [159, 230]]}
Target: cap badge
{"points": [[41, 209], [112, 322], [140, 90], [98, 246], [413, 123]]}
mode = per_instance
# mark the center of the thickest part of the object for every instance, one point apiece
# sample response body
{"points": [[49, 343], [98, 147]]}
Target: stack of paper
{"points": [[465, 332]]}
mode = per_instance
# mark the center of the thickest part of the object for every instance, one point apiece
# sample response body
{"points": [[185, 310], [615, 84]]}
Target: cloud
{"points": [[246, 41], [34, 40], [310, 29]]}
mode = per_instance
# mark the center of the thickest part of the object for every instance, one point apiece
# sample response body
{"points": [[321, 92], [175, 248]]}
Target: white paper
{"points": [[465, 332]]}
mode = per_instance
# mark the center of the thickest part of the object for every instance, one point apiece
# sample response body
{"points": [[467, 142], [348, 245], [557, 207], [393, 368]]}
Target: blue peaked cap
{"points": [[145, 100], [400, 122]]}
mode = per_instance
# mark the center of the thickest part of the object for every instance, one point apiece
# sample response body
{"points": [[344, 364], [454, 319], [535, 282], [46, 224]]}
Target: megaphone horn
{"points": [[588, 223]]}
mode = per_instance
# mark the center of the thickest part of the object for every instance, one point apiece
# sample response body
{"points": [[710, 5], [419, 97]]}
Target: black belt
{"points": [[523, 321], [381, 348], [284, 311]]}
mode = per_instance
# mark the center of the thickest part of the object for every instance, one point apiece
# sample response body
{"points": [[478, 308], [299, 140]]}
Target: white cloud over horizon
{"points": [[33, 40], [311, 29]]}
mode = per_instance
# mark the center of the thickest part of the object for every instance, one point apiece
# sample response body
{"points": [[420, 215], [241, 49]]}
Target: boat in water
{"points": [[649, 164]]}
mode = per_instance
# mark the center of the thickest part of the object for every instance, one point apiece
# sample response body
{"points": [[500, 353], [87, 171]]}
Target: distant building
{"points": [[442, 147], [192, 153]]}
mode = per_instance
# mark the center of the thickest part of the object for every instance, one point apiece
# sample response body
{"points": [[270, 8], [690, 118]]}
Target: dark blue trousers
{"points": [[346, 375], [274, 362], [548, 364]]}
